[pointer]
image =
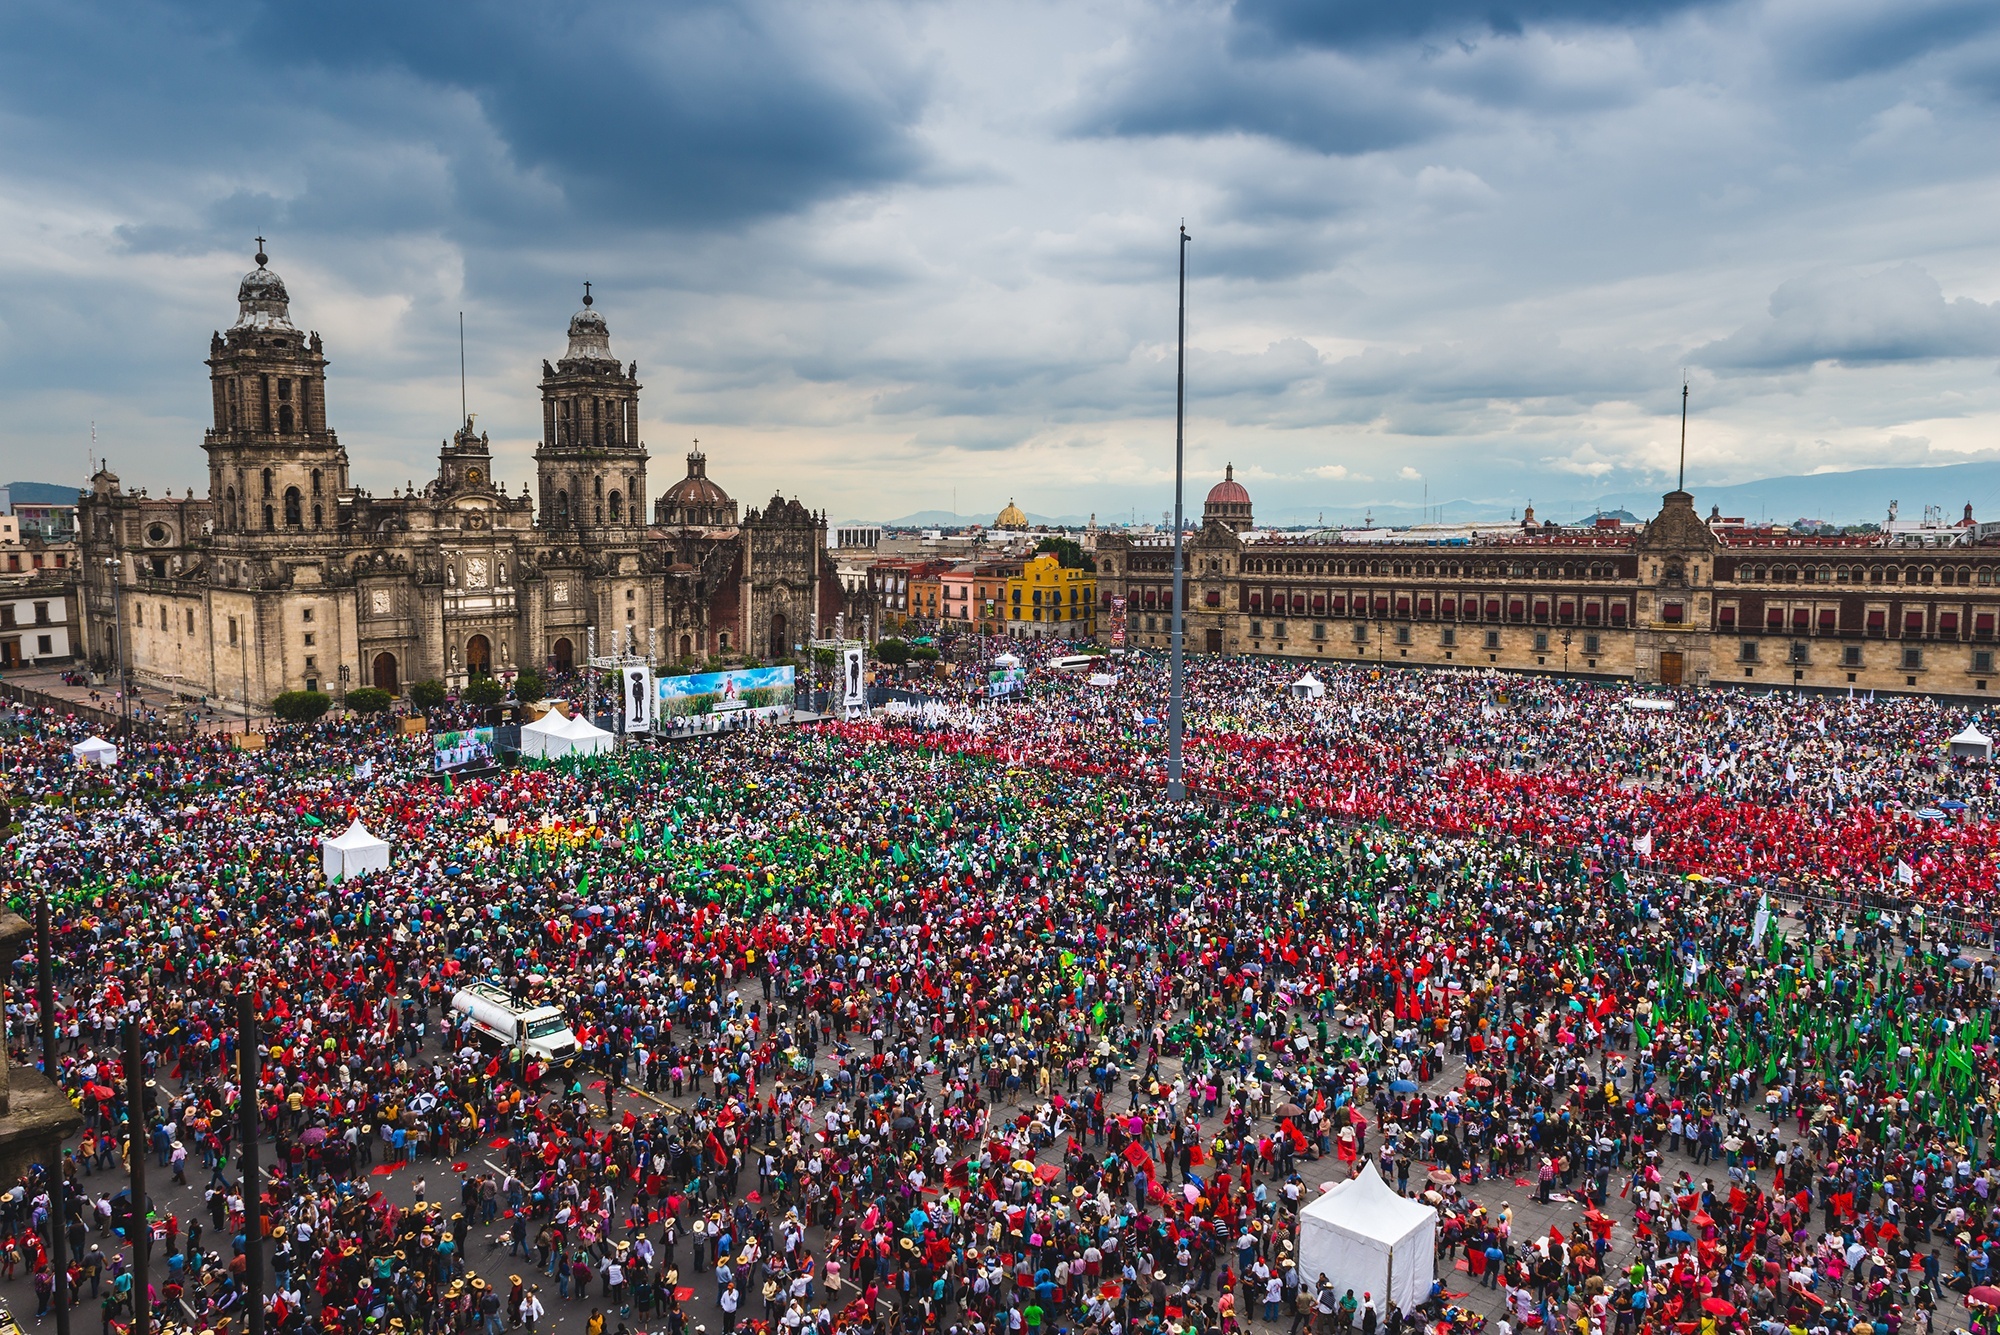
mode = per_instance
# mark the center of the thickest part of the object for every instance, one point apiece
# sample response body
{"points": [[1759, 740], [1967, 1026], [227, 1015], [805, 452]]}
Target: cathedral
{"points": [[286, 576]]}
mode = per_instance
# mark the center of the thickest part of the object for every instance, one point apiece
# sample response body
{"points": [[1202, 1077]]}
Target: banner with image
{"points": [[713, 701]]}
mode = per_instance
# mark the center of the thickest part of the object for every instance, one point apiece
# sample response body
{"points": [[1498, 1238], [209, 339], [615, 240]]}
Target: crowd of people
{"points": [[950, 1021]]}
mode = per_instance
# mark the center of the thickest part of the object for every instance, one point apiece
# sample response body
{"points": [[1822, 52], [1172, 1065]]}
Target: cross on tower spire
{"points": [[586, 291], [262, 258]]}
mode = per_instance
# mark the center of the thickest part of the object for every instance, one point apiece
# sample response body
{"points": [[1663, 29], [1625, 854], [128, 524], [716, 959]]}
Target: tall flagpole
{"points": [[1176, 787], [1682, 484]]}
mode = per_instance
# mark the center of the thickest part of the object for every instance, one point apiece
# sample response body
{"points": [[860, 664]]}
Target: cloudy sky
{"points": [[899, 256]]}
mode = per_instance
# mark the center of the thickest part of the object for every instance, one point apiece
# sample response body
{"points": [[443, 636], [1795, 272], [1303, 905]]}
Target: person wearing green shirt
{"points": [[1031, 1316]]}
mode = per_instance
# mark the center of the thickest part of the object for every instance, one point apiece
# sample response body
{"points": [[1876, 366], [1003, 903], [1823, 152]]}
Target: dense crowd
{"points": [[949, 1021]]}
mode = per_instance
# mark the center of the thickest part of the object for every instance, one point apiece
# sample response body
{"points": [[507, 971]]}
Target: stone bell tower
{"points": [[591, 465], [273, 467]]}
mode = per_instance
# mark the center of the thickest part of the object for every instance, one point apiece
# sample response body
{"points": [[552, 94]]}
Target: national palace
{"points": [[284, 575], [1678, 600]]}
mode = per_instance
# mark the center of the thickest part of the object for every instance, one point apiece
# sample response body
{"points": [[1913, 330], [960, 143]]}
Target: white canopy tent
{"points": [[1972, 742], [94, 750], [353, 852], [1006, 661], [586, 738], [1307, 687], [544, 737], [552, 736], [1361, 1235]]}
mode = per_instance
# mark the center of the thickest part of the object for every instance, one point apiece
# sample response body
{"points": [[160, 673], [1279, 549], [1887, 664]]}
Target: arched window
{"points": [[270, 519], [319, 517], [293, 516], [597, 485], [562, 507], [229, 509], [617, 508], [315, 482], [267, 482]]}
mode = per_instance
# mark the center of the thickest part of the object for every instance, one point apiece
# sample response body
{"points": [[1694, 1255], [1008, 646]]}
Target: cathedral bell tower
{"points": [[590, 466], [273, 467]]}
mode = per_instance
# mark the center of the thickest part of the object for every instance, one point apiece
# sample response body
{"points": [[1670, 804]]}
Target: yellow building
{"points": [[1051, 601]]}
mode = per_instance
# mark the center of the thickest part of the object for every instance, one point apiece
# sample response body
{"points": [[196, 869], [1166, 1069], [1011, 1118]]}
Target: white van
{"points": [[1075, 662], [502, 1020]]}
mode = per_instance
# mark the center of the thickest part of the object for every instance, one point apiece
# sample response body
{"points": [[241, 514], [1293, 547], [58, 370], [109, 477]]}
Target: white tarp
{"points": [[353, 852], [1972, 742], [1103, 679], [95, 751], [1308, 687], [1361, 1235]]}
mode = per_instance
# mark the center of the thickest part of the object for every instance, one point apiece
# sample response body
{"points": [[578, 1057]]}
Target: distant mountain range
{"points": [[1858, 496], [40, 493]]}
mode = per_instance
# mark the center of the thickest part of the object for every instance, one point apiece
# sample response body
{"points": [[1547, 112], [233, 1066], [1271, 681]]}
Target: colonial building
{"points": [[1678, 601], [286, 576]]}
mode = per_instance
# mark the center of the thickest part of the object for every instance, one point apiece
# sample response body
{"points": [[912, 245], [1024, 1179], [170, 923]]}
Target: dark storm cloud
{"points": [[620, 116], [1846, 40], [1897, 315], [1367, 23]]}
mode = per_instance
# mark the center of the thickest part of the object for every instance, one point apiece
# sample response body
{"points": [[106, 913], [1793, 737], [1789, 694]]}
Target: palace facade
{"points": [[286, 576], [1676, 601]]}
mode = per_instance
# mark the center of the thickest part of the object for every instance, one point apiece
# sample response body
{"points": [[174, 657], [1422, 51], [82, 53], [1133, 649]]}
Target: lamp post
{"points": [[116, 584], [1567, 636]]}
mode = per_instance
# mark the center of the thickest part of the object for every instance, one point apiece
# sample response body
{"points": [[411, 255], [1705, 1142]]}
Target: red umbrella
{"points": [[1985, 1294], [1718, 1306], [1048, 1172]]}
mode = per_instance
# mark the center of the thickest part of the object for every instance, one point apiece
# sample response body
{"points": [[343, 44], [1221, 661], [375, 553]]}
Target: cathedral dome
{"points": [[589, 336], [1011, 517], [695, 501], [261, 299]]}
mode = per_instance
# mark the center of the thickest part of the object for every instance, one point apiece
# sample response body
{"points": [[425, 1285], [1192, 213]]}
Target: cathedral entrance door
{"points": [[778, 645], [1670, 668], [687, 647], [385, 673], [478, 657], [564, 654]]}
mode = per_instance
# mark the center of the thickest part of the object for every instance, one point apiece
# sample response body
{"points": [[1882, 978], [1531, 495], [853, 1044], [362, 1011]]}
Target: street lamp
{"points": [[343, 673], [1567, 636], [111, 575]]}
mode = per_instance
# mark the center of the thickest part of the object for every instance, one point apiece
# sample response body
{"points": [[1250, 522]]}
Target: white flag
{"points": [[1763, 920], [1643, 845], [1905, 873]]}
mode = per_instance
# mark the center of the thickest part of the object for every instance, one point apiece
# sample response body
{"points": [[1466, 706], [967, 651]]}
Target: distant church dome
{"points": [[1228, 502], [695, 501], [261, 299], [1011, 517]]}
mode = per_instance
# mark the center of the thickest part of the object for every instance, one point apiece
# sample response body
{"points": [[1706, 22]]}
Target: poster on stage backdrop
{"points": [[714, 701], [638, 697], [468, 746], [853, 679]]}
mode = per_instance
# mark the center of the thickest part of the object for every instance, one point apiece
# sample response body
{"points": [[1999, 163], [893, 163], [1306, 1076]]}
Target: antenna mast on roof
{"points": [[462, 417]]}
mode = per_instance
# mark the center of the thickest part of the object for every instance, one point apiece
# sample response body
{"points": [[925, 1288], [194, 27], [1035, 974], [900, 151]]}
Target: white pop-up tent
{"points": [[353, 852], [586, 738], [96, 751], [1361, 1235], [1308, 687], [1972, 742], [544, 737]]}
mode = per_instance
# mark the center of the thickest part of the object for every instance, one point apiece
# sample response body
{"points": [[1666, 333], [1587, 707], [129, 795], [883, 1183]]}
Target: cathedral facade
{"points": [[286, 576]]}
